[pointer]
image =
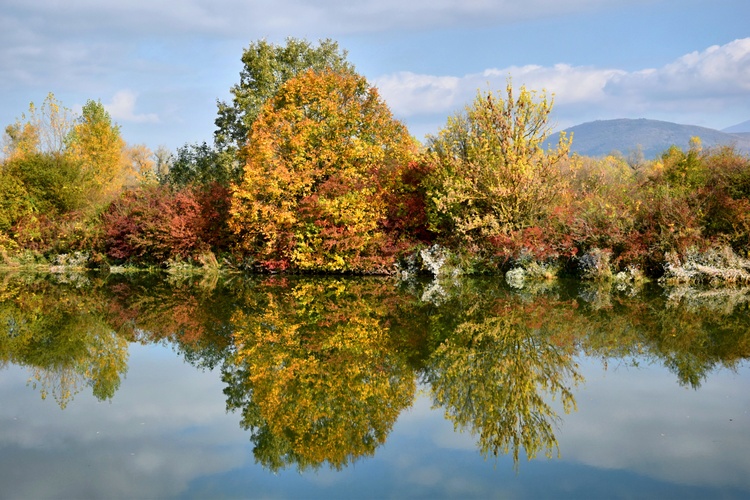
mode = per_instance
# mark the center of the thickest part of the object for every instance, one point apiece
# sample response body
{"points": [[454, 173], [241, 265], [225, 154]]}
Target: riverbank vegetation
{"points": [[310, 172]]}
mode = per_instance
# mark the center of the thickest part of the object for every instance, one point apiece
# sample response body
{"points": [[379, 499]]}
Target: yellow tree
{"points": [[309, 198], [493, 174], [43, 130], [138, 165], [95, 143]]}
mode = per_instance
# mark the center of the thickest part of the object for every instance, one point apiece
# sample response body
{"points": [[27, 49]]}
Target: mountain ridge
{"points": [[653, 137]]}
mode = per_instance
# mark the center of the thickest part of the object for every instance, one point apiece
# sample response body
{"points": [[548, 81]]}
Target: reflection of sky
{"points": [[636, 433]]}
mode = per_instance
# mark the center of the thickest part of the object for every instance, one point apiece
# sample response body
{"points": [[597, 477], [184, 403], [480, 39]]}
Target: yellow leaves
{"points": [[305, 200], [494, 156], [491, 380], [323, 378]]}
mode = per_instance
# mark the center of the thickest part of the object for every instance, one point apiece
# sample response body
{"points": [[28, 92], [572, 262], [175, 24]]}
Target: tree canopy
{"points": [[266, 66], [492, 173], [309, 198]]}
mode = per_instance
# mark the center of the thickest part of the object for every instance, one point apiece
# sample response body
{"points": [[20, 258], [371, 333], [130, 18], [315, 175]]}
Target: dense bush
{"points": [[312, 196], [153, 224]]}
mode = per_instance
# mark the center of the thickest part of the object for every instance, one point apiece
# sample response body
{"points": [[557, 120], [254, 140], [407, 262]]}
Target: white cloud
{"points": [[718, 70], [122, 108], [411, 94], [696, 84]]}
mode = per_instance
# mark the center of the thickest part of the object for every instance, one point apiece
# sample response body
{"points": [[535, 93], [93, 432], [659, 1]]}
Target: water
{"points": [[322, 388]]}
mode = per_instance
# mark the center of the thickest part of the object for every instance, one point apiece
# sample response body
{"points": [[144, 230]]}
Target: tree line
{"points": [[310, 172]]}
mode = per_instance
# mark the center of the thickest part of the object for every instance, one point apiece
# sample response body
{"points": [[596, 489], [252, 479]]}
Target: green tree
{"points": [[197, 164], [492, 172], [14, 201], [51, 181], [266, 66]]}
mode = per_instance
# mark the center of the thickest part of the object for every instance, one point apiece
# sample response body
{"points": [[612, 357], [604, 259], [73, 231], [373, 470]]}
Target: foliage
{"points": [[95, 144], [492, 173], [153, 224], [61, 336], [14, 201], [44, 130], [315, 376], [307, 199], [197, 164], [266, 67], [492, 376], [52, 182]]}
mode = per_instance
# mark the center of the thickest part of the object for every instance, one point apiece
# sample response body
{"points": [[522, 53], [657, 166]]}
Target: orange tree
{"points": [[324, 155]]}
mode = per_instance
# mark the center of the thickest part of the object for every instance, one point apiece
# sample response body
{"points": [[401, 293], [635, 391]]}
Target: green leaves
{"points": [[266, 67]]}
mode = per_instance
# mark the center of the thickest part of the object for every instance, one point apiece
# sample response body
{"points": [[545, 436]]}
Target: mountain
{"points": [[740, 128], [602, 137]]}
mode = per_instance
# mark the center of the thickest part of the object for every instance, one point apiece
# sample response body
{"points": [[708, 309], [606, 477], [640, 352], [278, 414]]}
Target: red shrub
{"points": [[153, 224]]}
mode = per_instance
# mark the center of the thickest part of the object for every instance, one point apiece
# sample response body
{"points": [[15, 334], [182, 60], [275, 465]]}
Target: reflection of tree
{"points": [[493, 375], [194, 317], [315, 375], [691, 340], [58, 333]]}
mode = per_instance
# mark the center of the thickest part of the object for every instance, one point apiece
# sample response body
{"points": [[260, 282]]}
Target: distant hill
{"points": [[740, 128], [602, 137]]}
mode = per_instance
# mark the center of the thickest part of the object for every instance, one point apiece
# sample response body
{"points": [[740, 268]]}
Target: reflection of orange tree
{"points": [[61, 335], [493, 374], [315, 375]]}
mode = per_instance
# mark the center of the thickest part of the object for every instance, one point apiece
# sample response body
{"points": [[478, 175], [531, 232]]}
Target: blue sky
{"points": [[160, 66]]}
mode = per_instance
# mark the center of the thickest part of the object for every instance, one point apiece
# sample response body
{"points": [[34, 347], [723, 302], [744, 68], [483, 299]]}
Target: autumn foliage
{"points": [[310, 172], [322, 161], [154, 224]]}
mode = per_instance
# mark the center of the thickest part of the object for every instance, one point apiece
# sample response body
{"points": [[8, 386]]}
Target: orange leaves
{"points": [[325, 380], [308, 199]]}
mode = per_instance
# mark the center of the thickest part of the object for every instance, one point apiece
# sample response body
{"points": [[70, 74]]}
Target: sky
{"points": [[159, 67]]}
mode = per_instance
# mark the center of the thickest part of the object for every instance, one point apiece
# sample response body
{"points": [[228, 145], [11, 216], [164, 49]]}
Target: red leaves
{"points": [[153, 224]]}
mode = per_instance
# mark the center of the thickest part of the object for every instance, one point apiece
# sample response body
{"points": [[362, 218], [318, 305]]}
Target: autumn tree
{"points": [[493, 174], [139, 165], [43, 130], [266, 67], [95, 143], [310, 196]]}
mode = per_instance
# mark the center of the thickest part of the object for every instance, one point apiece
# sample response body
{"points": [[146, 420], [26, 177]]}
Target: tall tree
{"points": [[95, 142], [309, 197], [266, 67]]}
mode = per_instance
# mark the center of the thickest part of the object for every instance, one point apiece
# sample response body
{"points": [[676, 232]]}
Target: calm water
{"points": [[123, 387]]}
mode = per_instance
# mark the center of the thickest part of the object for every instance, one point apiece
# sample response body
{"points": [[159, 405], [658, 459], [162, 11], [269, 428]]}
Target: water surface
{"points": [[297, 387]]}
